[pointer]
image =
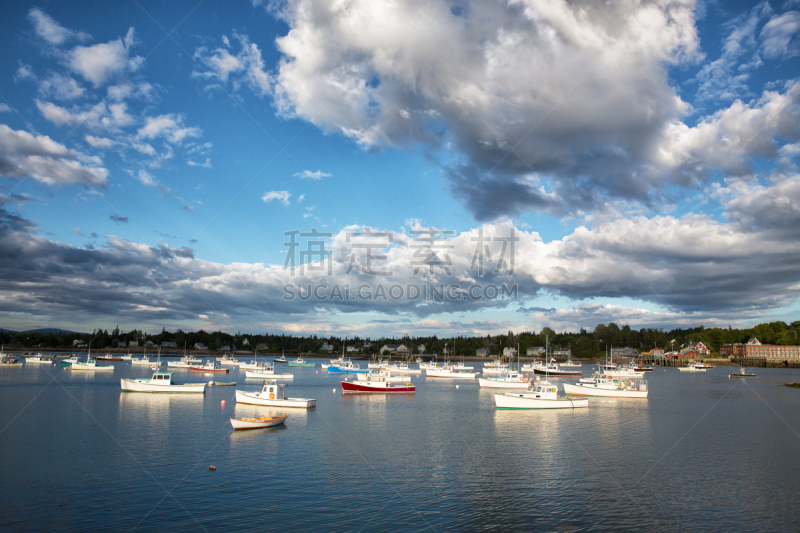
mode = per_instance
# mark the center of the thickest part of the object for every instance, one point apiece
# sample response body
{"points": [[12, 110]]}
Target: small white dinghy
{"points": [[540, 395], [258, 423]]}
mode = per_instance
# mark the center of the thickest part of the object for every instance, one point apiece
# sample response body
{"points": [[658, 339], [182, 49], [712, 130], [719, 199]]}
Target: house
{"points": [[421, 348], [200, 346], [367, 345], [688, 354], [755, 350], [133, 343], [326, 347], [77, 343], [533, 351], [399, 349], [245, 342], [351, 349], [225, 348], [116, 343], [657, 353], [262, 346], [149, 343], [699, 347], [482, 352], [509, 352], [169, 344]]}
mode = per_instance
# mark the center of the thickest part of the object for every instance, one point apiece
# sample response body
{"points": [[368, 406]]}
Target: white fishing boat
{"points": [[402, 367], [144, 361], [258, 423], [532, 366], [495, 363], [348, 367], [491, 371], [127, 357], [506, 380], [7, 360], [448, 371], [742, 374], [540, 395], [160, 382], [375, 365], [383, 374], [272, 395], [429, 366], [209, 367], [226, 360], [90, 364], [694, 367], [569, 364], [183, 362], [267, 371], [607, 386], [39, 359], [69, 360]]}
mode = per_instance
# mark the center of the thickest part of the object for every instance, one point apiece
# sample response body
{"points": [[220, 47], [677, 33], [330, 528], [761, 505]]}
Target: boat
{"points": [[347, 367], [540, 395], [280, 360], [374, 365], [742, 374], [300, 361], [607, 386], [258, 423], [377, 384], [495, 363], [387, 374], [90, 364], [144, 361], [553, 369], [507, 380], [703, 364], [641, 368], [696, 366], [160, 382], [448, 371], [267, 371], [569, 364], [272, 395], [183, 362], [209, 367], [8, 360], [108, 357], [69, 360], [402, 367], [39, 358], [226, 360], [127, 357]]}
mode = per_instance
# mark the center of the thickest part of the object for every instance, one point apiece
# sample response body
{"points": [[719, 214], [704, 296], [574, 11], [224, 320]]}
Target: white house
{"points": [[352, 349], [399, 349], [200, 346], [326, 347], [482, 352], [533, 351], [509, 352]]}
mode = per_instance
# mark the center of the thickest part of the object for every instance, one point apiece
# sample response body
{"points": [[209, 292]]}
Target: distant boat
{"points": [[210, 366], [68, 361], [90, 364], [109, 357], [267, 371], [258, 423], [540, 395], [377, 384], [160, 382], [449, 372], [507, 380], [608, 387], [742, 374], [387, 374], [272, 395], [226, 360], [39, 358], [301, 362], [347, 367], [280, 360]]}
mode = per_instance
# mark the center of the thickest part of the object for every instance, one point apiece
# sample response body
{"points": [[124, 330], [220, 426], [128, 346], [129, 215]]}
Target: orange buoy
{"points": [[212, 468], [223, 402]]}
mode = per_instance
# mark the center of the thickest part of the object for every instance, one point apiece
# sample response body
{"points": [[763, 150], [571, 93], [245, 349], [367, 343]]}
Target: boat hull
{"points": [[266, 375], [306, 365], [379, 387], [530, 401], [258, 423], [209, 370], [451, 375], [92, 368], [558, 373], [255, 398], [489, 383], [341, 370], [587, 389], [137, 385]]}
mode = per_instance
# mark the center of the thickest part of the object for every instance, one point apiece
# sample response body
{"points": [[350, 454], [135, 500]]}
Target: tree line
{"points": [[582, 343]]}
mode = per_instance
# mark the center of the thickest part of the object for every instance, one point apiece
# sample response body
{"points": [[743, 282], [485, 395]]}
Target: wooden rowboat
{"points": [[257, 423]]}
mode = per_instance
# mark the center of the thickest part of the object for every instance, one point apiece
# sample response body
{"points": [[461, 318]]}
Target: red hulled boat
{"points": [[377, 385]]}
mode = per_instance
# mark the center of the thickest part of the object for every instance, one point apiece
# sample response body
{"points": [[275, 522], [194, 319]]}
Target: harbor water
{"points": [[703, 453]]}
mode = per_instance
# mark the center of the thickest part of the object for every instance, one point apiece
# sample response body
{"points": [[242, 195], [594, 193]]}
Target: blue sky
{"points": [[643, 156]]}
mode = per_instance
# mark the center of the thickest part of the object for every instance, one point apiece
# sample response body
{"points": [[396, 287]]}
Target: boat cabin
{"points": [[162, 377], [272, 390]]}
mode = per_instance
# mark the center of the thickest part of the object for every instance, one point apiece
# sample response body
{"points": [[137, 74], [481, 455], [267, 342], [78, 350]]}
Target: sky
{"points": [[409, 168]]}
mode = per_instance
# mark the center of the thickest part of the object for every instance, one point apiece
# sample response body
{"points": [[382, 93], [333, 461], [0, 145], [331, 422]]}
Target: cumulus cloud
{"points": [[4, 108], [169, 126], [51, 31], [60, 87], [99, 117], [25, 155], [243, 68], [100, 62], [307, 174], [778, 36], [283, 196], [573, 94]]}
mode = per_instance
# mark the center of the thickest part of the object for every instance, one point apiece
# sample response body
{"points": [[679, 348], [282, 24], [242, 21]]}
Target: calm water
{"points": [[704, 453]]}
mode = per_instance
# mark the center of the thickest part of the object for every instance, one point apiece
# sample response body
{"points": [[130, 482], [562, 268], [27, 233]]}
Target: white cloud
{"points": [[283, 196], [301, 198], [39, 157], [245, 68], [24, 73], [78, 231], [580, 91], [168, 126], [206, 164], [778, 33], [61, 87], [100, 62], [100, 142], [307, 174], [93, 116], [51, 31], [147, 179], [4, 108]]}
